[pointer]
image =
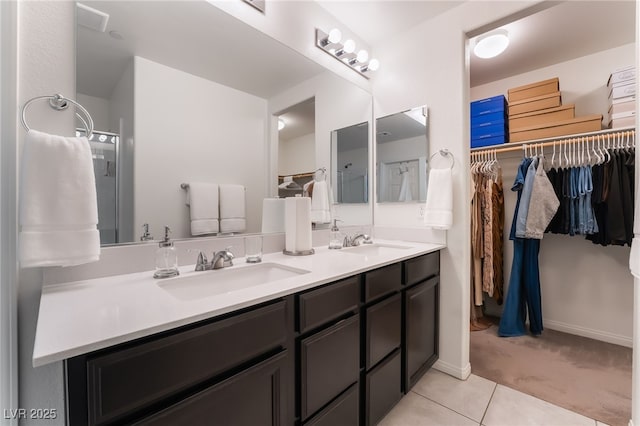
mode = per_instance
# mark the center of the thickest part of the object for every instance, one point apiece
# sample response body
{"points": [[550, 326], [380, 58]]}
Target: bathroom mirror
{"points": [[401, 156], [187, 89], [350, 163]]}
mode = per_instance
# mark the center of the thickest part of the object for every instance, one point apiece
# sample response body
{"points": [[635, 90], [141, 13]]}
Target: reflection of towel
{"points": [[58, 202], [438, 212], [405, 188], [320, 205], [202, 198], [232, 206]]}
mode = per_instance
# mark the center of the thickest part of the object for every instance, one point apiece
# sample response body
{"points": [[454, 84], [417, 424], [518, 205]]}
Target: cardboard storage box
{"points": [[550, 100], [543, 116], [488, 140], [493, 105], [623, 122], [623, 91], [587, 123], [622, 107], [621, 75], [534, 90]]}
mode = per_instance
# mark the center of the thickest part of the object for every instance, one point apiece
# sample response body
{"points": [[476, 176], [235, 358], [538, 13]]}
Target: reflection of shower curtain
{"points": [[405, 187]]}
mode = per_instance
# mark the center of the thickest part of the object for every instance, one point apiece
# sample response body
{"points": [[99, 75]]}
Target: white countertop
{"points": [[83, 316]]}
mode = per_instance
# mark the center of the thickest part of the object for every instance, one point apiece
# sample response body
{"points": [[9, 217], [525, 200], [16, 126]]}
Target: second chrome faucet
{"points": [[221, 259]]}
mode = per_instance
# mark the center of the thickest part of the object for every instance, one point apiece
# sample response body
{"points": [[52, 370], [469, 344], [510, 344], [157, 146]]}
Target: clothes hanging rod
{"points": [[321, 169], [519, 146]]}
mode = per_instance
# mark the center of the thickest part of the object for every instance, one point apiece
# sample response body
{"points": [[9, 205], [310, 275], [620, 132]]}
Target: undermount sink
{"points": [[227, 280], [374, 249]]}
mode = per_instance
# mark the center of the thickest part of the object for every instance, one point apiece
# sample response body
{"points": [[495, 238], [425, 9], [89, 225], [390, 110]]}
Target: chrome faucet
{"points": [[222, 259], [201, 263], [357, 240]]}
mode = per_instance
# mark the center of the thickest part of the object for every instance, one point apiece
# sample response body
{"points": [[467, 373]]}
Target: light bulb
{"points": [[363, 56], [374, 64], [492, 44], [349, 46], [334, 36], [281, 124]]}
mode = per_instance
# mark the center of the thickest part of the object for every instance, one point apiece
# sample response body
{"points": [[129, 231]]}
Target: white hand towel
{"points": [[232, 208], [58, 204], [320, 205], [202, 198], [438, 212]]}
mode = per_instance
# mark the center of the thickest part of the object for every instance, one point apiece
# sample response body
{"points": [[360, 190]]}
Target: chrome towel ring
{"points": [[60, 103], [444, 152]]}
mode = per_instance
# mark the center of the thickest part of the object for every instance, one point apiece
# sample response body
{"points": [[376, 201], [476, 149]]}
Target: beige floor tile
{"points": [[601, 424], [509, 407], [468, 397], [415, 410]]}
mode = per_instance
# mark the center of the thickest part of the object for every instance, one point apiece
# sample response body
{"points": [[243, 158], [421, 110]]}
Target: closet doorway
{"points": [[582, 359]]}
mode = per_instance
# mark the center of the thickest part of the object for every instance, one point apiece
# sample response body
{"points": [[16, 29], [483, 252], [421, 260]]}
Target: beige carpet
{"points": [[587, 376]]}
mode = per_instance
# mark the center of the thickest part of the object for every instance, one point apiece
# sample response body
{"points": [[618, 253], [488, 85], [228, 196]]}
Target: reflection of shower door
{"points": [[104, 149], [352, 187]]}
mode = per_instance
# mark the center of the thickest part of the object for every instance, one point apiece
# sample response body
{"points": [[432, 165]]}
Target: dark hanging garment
{"points": [[615, 219], [627, 196], [555, 177]]}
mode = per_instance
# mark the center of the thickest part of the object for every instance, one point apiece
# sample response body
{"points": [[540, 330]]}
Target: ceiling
{"points": [[299, 120], [193, 36], [375, 20], [353, 137], [397, 127], [560, 33]]}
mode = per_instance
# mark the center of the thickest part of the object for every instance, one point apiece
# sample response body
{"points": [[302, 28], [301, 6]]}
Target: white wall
{"points": [[339, 104], [46, 66], [592, 297], [212, 132], [297, 155], [121, 119], [99, 110], [8, 284], [427, 65]]}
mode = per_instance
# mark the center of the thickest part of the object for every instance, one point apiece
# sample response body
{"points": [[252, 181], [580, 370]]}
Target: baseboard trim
{"points": [[452, 370], [603, 336]]}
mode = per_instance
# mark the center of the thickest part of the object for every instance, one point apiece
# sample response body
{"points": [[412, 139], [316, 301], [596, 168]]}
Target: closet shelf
{"points": [[513, 146]]}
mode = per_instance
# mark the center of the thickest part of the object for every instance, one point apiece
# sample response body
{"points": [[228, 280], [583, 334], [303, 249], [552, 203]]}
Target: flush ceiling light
{"points": [[491, 44], [345, 53], [281, 124]]}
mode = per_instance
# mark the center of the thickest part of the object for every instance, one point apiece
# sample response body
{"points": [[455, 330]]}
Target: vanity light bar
{"points": [[346, 52]]}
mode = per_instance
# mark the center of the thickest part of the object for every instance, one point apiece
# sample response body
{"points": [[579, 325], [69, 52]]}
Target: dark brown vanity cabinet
{"points": [[381, 364], [421, 277], [328, 353], [339, 354], [184, 370]]}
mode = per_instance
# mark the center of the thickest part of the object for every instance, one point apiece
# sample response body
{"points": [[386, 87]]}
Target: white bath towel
{"points": [[233, 225], [232, 206], [58, 204], [320, 203], [438, 213], [202, 199]]}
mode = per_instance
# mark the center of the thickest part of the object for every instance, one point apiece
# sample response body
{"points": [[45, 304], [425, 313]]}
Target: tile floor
{"points": [[442, 400]]}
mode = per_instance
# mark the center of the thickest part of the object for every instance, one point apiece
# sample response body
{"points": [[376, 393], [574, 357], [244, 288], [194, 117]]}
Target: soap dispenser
{"points": [[335, 237], [166, 258]]}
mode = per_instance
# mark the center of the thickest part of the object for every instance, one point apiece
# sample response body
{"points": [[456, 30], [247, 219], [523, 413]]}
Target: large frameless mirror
{"points": [[401, 156]]}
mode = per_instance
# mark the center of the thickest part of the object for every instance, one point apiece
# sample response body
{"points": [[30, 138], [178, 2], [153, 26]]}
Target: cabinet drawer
{"points": [[317, 307], [252, 397], [126, 380], [383, 329], [329, 364], [421, 268], [383, 389], [382, 281], [344, 411]]}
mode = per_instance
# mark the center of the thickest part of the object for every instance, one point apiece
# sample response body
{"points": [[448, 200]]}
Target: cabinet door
{"points": [[252, 397], [329, 364], [383, 389], [384, 329], [421, 329]]}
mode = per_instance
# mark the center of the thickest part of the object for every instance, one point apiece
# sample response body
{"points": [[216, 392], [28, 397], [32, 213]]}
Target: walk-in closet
{"points": [[551, 294]]}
